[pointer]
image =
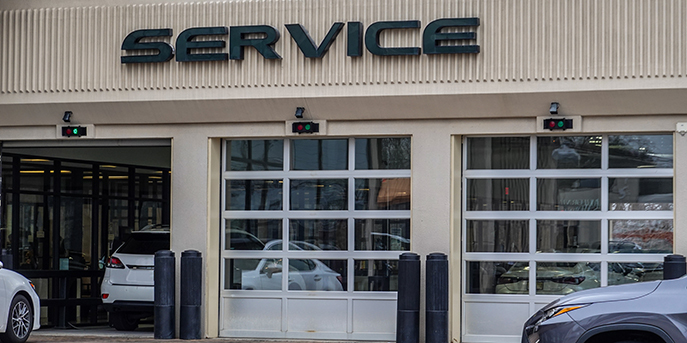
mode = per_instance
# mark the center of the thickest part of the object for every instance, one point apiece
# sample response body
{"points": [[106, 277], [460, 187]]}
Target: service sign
{"points": [[434, 41]]}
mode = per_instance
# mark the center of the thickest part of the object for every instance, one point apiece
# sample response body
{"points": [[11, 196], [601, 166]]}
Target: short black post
{"points": [[191, 291], [7, 259], [436, 291], [408, 304], [674, 266], [164, 294]]}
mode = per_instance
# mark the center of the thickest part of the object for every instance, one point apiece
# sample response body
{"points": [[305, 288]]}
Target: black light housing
{"points": [[74, 131], [558, 124], [305, 127]]}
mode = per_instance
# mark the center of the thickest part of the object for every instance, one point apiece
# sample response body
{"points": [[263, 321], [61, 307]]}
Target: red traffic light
{"points": [[305, 127]]}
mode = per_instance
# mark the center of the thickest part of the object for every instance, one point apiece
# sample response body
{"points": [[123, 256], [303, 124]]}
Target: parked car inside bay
{"points": [[19, 307], [645, 312]]}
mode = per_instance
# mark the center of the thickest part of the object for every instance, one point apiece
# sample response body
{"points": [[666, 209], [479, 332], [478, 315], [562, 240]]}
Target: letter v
{"points": [[307, 45]]}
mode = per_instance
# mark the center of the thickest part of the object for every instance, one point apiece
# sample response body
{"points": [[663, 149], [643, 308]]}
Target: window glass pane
{"points": [[568, 236], [317, 275], [327, 194], [488, 277], [497, 236], [376, 275], [498, 194], [382, 153], [640, 194], [382, 234], [640, 151], [498, 153], [568, 152], [568, 194], [244, 155], [322, 234], [622, 273], [254, 195], [149, 183], [640, 236], [251, 234], [76, 178], [567, 277], [382, 194], [253, 274], [319, 154]]}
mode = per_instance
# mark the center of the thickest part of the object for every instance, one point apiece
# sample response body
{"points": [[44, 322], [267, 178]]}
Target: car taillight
{"points": [[569, 280], [508, 279], [340, 278], [105, 295], [114, 262]]}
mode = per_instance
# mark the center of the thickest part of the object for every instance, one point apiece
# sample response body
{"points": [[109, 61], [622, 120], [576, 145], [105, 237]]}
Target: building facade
{"points": [[433, 136]]}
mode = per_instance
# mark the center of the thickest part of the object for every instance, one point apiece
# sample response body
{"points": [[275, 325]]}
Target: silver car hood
{"points": [[607, 294]]}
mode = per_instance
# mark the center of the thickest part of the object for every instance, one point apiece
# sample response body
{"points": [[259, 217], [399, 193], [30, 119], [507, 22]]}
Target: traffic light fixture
{"points": [[74, 131], [305, 127], [558, 124]]}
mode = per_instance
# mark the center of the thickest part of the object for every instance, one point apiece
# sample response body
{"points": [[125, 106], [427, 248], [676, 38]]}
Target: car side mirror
{"points": [[272, 268]]}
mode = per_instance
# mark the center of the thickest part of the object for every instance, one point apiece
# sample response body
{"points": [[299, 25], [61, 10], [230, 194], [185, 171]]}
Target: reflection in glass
{"points": [[567, 277], [568, 236], [254, 195], [640, 151], [622, 273], [376, 275], [493, 277], [498, 194], [382, 194], [568, 194], [246, 155], [382, 234], [253, 274], [76, 178], [640, 236], [319, 154], [498, 153], [328, 194], [149, 183], [568, 152], [382, 153], [251, 234], [497, 236], [640, 194], [317, 275], [318, 234]]}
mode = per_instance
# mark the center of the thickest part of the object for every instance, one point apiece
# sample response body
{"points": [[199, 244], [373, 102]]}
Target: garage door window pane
{"points": [[568, 236], [498, 194], [497, 236], [640, 151], [382, 153], [498, 153], [382, 194], [252, 274], [245, 155], [382, 234], [568, 152], [317, 275], [622, 273], [328, 194], [568, 194], [376, 275], [319, 154], [497, 277], [251, 234], [640, 194], [314, 235], [567, 277], [254, 195], [640, 236]]}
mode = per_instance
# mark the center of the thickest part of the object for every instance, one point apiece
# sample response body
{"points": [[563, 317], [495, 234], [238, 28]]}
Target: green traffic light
{"points": [[561, 123], [75, 131], [307, 127]]}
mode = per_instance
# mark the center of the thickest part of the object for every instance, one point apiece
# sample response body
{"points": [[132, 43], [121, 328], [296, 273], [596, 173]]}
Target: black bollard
{"points": [[191, 291], [408, 313], [7, 259], [674, 266], [436, 291], [164, 294]]}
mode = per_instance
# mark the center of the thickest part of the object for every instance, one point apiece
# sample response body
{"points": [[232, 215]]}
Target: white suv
{"points": [[128, 285]]}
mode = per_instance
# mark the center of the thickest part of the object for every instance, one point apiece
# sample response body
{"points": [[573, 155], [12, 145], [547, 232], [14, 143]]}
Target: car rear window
{"points": [[145, 243]]}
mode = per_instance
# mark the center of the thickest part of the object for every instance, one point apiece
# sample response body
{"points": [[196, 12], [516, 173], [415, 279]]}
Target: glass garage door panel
{"points": [[549, 216], [312, 232]]}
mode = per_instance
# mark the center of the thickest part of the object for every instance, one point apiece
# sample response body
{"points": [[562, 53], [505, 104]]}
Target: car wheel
{"points": [[124, 321], [19, 321]]}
